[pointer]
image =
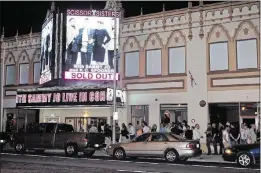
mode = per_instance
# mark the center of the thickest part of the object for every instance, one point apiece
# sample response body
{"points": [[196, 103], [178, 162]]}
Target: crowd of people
{"points": [[216, 134]]}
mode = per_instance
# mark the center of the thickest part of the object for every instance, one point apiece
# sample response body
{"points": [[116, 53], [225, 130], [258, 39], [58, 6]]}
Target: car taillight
{"points": [[84, 139], [190, 146]]}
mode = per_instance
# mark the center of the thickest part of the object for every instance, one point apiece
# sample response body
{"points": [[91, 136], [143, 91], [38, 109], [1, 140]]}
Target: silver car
{"points": [[169, 146]]}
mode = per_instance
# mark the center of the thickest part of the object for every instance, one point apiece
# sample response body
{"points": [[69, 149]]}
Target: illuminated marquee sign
{"points": [[81, 97], [67, 97], [90, 42]]}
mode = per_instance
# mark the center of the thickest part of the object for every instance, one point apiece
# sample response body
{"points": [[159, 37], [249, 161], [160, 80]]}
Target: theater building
{"points": [[36, 88], [201, 63]]}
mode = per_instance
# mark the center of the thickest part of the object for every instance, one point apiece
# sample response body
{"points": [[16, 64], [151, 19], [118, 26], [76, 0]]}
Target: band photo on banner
{"points": [[90, 45], [46, 51]]}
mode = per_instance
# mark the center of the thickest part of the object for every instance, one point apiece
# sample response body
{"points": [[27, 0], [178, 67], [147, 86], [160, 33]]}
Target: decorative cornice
{"points": [[240, 27]]}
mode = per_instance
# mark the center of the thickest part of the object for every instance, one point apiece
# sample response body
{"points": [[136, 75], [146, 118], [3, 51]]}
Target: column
{"points": [[197, 89]]}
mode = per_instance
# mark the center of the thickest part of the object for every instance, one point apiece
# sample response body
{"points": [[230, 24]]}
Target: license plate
{"points": [[197, 145]]}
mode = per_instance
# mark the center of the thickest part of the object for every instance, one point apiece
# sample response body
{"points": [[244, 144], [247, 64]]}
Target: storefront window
{"points": [[173, 113], [83, 124], [234, 113], [139, 113]]}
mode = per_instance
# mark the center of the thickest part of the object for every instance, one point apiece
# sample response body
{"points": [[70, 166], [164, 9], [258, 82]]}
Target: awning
{"points": [[69, 96]]}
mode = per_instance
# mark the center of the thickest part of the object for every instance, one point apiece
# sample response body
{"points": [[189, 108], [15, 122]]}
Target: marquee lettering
{"points": [[91, 97], [69, 97], [56, 97], [102, 96], [83, 96], [39, 98]]}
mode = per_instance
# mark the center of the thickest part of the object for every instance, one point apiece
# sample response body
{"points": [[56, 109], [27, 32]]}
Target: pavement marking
{"points": [[135, 171], [153, 163], [125, 161]]}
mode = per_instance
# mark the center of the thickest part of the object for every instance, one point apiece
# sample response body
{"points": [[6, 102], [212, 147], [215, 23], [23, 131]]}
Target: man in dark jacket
{"points": [[99, 43], [86, 39]]}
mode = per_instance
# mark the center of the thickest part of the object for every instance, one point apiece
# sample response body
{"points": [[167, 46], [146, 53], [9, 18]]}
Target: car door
{"points": [[48, 135], [61, 134], [157, 144], [138, 146], [35, 136]]}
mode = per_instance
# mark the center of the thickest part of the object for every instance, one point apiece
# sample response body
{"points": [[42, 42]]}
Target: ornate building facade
{"points": [[200, 64], [20, 56]]}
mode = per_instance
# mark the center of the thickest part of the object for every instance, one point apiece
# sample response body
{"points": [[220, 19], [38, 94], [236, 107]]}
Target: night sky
{"points": [[24, 15]]}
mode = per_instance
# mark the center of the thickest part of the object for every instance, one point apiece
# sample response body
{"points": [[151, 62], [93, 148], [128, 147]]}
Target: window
{"points": [[158, 138], [10, 78], [65, 128], [218, 53], [132, 64], [139, 113], [50, 128], [177, 60], [142, 138], [153, 62], [246, 54], [24, 73], [36, 72], [36, 128]]}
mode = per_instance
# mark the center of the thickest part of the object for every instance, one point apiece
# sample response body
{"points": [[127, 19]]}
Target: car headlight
{"points": [[110, 146], [2, 141], [228, 151]]}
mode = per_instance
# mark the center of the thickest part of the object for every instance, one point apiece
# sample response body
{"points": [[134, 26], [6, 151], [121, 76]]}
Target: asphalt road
{"points": [[12, 163]]}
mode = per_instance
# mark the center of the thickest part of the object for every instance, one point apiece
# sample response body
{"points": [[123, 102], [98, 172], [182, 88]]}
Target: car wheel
{"points": [[19, 147], [39, 151], [244, 159], [71, 150], [119, 154], [89, 153], [183, 159], [171, 156]]}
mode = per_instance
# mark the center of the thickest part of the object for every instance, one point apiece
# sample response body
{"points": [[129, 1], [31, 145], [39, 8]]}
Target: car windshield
{"points": [[177, 137]]}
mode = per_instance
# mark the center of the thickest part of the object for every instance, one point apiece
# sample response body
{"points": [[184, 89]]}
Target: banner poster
{"points": [[90, 44]]}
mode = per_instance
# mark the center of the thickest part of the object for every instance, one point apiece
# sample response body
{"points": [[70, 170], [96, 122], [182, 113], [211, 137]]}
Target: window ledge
{"points": [[177, 74], [219, 72]]}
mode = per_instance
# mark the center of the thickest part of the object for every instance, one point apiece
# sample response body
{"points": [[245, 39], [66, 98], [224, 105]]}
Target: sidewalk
{"points": [[202, 158]]}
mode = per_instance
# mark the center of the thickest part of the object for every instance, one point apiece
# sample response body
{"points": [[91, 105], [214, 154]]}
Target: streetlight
{"points": [[115, 113]]}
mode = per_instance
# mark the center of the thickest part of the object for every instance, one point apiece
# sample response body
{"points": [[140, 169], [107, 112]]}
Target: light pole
{"points": [[2, 77], [114, 76]]}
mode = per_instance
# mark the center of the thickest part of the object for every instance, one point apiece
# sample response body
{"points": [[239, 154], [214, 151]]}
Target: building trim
{"points": [[233, 85]]}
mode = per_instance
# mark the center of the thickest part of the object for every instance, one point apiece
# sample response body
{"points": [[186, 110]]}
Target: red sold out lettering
{"points": [[98, 76]]}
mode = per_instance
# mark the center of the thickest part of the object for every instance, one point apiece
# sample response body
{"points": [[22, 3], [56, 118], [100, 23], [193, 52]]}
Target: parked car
{"points": [[58, 136], [4, 139], [245, 154], [169, 146]]}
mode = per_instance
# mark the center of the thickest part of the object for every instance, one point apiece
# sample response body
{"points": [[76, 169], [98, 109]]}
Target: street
{"points": [[30, 163]]}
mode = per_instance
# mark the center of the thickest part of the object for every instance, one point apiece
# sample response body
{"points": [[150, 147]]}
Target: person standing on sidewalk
{"points": [[124, 134], [220, 137], [234, 135], [226, 138], [209, 138], [215, 138], [145, 128], [251, 136], [196, 133], [243, 134], [154, 128], [131, 131]]}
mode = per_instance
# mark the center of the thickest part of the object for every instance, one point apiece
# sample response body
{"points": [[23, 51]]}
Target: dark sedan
{"points": [[245, 155]]}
